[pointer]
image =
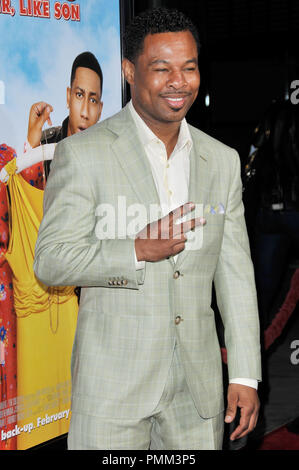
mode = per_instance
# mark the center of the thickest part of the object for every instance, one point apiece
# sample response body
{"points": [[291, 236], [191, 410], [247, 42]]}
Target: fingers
{"points": [[192, 223], [40, 107], [183, 227], [182, 210], [177, 248], [41, 111], [246, 399], [47, 115], [246, 425], [178, 231], [164, 238], [232, 405]]}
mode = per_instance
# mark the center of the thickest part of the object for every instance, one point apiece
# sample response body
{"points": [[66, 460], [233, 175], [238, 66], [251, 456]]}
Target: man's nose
{"points": [[85, 108], [177, 79]]}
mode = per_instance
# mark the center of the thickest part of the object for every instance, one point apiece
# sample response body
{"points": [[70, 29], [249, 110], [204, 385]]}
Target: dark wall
{"points": [[248, 58]]}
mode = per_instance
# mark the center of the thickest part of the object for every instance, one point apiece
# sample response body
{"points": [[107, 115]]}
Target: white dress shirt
{"points": [[171, 176]]}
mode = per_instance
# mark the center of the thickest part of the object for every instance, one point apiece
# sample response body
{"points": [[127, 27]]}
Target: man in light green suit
{"points": [[146, 363]]}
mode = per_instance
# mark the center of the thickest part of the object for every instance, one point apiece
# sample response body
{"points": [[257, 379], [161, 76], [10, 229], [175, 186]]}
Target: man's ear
{"points": [[128, 70], [68, 97]]}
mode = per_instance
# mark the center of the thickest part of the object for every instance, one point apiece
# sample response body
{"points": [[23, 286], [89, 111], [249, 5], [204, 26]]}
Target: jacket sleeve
{"points": [[235, 287], [68, 251]]}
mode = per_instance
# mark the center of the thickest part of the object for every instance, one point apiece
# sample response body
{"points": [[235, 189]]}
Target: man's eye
{"points": [[93, 100], [161, 70], [79, 95]]}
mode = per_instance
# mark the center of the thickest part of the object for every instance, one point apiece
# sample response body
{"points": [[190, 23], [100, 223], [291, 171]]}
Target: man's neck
{"points": [[167, 132]]}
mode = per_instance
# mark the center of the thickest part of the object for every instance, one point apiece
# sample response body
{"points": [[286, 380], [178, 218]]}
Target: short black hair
{"points": [[157, 20], [89, 61]]}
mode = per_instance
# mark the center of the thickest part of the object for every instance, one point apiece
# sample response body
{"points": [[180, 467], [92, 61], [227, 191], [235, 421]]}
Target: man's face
{"points": [[84, 100], [165, 78]]}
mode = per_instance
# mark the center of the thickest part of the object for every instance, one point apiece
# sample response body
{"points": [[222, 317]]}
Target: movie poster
{"points": [[39, 41]]}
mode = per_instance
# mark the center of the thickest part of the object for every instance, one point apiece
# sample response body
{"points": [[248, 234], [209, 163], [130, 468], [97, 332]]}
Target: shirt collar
{"points": [[147, 136]]}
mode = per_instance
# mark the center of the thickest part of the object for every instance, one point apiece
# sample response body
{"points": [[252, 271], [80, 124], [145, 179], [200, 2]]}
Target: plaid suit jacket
{"points": [[126, 330]]}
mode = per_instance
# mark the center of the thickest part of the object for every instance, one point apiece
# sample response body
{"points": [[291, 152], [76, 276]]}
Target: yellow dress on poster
{"points": [[46, 323]]}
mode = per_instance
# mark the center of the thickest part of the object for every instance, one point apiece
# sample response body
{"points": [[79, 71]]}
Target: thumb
{"points": [[47, 115], [231, 408]]}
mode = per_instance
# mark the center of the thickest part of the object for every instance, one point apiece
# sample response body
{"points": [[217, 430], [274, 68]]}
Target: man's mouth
{"points": [[81, 128], [175, 102]]}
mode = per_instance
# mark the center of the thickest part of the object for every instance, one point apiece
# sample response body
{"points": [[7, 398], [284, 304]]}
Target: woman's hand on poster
{"points": [[39, 114]]}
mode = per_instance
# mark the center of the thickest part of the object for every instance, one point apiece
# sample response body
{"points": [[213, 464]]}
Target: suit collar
{"points": [[132, 157], [199, 181], [199, 167]]}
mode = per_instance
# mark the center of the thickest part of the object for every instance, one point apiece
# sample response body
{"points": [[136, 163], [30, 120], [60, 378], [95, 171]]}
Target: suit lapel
{"points": [[133, 160], [199, 175], [199, 180]]}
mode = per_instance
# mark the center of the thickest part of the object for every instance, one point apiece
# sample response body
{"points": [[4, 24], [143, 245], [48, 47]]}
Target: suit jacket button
{"points": [[124, 282], [110, 283], [176, 275], [178, 320], [115, 283]]}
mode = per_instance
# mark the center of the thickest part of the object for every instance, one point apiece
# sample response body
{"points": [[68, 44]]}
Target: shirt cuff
{"points": [[248, 382]]}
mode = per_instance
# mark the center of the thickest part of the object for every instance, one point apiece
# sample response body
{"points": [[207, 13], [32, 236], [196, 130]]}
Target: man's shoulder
{"points": [[94, 143], [105, 131], [216, 153], [201, 136]]}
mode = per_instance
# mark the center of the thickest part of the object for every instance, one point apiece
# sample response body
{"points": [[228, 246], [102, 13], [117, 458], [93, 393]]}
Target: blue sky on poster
{"points": [[36, 56]]}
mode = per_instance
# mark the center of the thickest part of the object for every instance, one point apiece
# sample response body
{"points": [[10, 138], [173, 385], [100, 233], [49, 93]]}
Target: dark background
{"points": [[249, 57]]}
